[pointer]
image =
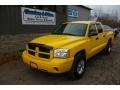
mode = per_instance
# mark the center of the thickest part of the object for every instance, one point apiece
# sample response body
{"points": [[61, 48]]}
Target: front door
{"points": [[93, 41]]}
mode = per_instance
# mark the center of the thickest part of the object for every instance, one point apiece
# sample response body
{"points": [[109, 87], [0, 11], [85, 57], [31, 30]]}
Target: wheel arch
{"points": [[83, 51], [109, 40]]}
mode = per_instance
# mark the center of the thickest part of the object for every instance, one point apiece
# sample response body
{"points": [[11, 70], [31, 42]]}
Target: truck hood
{"points": [[57, 41]]}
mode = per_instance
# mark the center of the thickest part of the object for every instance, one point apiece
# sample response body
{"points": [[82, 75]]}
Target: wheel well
{"points": [[81, 51], [110, 39]]}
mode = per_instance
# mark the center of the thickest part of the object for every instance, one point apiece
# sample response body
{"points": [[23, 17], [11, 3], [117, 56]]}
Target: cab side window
{"points": [[99, 27], [92, 29]]}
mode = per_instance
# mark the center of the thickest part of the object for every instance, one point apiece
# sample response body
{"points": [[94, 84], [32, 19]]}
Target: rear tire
{"points": [[78, 67], [108, 48]]}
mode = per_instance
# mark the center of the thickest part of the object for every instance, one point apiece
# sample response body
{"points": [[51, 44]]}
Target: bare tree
{"points": [[110, 18]]}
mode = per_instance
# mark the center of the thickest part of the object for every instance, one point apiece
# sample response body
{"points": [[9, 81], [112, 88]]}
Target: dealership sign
{"points": [[72, 13], [37, 17]]}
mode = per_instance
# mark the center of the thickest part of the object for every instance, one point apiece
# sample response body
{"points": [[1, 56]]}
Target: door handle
{"points": [[97, 38], [103, 35]]}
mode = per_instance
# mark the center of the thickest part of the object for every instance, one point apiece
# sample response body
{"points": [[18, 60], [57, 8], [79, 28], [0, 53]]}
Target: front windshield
{"points": [[76, 29]]}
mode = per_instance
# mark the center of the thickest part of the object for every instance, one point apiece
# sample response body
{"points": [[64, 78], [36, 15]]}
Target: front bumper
{"points": [[56, 65]]}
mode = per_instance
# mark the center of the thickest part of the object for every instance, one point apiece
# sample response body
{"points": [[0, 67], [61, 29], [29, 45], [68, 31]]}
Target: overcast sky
{"points": [[106, 8]]}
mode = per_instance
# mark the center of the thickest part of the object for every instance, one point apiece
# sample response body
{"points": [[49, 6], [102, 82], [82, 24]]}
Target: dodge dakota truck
{"points": [[68, 48]]}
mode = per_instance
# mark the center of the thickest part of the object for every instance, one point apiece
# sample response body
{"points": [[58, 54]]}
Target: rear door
{"points": [[101, 37]]}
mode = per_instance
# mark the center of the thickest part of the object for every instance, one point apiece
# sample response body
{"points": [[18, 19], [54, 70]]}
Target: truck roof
{"points": [[84, 22]]}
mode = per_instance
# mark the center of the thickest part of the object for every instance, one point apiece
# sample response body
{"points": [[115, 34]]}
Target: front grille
{"points": [[31, 46], [44, 55], [31, 52], [42, 50]]}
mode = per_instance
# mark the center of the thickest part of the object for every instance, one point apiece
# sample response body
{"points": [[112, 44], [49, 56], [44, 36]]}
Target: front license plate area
{"points": [[32, 64]]}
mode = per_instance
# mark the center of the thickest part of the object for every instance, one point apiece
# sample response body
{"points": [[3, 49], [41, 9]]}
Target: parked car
{"points": [[68, 48], [107, 28], [115, 30]]}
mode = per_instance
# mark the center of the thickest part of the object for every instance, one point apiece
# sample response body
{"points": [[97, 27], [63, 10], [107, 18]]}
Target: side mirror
{"points": [[92, 34]]}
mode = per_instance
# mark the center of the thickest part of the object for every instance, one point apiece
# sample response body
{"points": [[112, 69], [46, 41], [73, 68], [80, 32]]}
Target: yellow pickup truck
{"points": [[68, 48]]}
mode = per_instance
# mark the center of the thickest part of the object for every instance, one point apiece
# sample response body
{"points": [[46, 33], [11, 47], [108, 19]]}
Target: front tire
{"points": [[78, 67]]}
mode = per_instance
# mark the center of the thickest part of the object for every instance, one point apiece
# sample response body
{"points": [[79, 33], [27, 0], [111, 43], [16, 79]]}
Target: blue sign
{"points": [[37, 17], [72, 13], [42, 13]]}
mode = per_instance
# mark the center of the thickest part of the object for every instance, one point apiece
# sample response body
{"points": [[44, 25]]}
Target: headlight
{"points": [[61, 53]]}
